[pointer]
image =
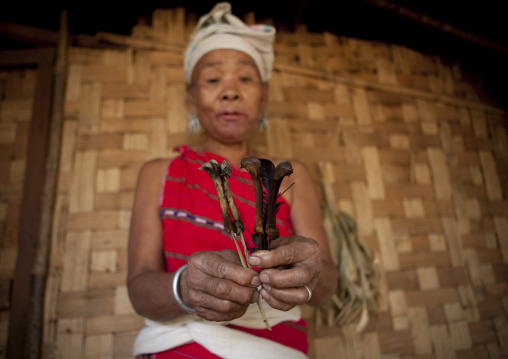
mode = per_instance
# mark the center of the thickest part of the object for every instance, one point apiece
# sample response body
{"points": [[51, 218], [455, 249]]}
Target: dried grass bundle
{"points": [[358, 287]]}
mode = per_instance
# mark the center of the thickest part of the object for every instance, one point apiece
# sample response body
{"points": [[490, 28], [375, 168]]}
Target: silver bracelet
{"points": [[176, 280]]}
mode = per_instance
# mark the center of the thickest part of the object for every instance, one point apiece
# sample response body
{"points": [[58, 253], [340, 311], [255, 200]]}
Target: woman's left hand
{"points": [[292, 264]]}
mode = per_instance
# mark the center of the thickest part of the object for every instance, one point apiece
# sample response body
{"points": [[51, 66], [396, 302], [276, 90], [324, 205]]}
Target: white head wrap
{"points": [[219, 29]]}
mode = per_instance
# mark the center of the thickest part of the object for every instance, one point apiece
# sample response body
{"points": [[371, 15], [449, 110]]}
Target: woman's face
{"points": [[227, 95]]}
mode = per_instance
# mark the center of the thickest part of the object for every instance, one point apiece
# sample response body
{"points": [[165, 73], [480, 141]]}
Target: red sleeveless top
{"points": [[192, 221]]}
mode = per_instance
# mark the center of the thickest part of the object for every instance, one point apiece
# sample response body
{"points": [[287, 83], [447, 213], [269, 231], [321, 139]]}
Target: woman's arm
{"points": [[214, 283], [148, 284], [306, 256]]}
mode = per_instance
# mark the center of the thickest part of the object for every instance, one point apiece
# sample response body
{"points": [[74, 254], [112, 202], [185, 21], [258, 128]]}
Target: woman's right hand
{"points": [[217, 286]]}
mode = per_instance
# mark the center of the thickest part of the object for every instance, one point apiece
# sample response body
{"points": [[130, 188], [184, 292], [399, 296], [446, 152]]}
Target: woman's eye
{"points": [[212, 80], [245, 78]]}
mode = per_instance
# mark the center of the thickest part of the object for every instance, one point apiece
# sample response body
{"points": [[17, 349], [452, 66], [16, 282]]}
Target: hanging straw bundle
{"points": [[358, 287]]}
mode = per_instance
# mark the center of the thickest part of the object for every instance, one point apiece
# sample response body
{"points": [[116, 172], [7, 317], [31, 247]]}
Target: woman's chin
{"points": [[233, 136], [232, 139]]}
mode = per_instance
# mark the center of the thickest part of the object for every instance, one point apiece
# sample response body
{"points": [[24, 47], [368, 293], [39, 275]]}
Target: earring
{"points": [[194, 125], [263, 122]]}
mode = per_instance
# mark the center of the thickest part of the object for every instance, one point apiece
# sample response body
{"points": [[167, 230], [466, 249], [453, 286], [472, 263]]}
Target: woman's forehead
{"points": [[222, 56]]}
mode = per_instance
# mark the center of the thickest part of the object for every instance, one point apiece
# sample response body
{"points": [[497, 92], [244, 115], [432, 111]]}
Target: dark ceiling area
{"points": [[471, 33]]}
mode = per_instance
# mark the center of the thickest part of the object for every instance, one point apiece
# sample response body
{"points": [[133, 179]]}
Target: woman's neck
{"points": [[234, 153]]}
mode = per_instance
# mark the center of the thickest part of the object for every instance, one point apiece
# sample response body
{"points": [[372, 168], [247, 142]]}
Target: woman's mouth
{"points": [[232, 115]]}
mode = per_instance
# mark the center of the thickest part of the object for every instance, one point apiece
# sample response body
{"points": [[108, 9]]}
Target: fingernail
{"points": [[264, 278], [254, 261], [255, 281], [267, 287]]}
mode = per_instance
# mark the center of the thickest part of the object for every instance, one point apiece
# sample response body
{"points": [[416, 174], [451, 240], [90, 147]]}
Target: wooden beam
{"points": [[28, 34], [387, 88], [437, 24], [42, 37], [40, 265], [26, 319], [130, 41], [20, 315]]}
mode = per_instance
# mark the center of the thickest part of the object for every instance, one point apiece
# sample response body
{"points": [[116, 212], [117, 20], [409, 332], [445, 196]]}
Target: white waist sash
{"points": [[215, 337]]}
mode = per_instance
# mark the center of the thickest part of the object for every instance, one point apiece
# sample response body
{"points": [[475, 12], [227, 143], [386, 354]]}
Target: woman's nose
{"points": [[230, 95], [230, 91]]}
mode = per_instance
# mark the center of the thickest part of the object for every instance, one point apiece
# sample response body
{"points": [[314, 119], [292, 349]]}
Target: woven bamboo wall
{"points": [[16, 98], [401, 141]]}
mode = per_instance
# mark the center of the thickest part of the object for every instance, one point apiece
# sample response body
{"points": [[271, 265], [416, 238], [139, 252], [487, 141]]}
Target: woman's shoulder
{"points": [[156, 164], [154, 169]]}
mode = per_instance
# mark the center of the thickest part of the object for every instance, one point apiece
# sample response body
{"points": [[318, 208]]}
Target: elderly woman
{"points": [[184, 276]]}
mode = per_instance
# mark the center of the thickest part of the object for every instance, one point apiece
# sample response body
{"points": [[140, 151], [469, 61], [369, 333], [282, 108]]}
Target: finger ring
{"points": [[310, 293]]}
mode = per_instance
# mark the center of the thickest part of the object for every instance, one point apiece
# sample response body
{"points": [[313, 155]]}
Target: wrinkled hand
{"points": [[218, 287], [291, 263]]}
